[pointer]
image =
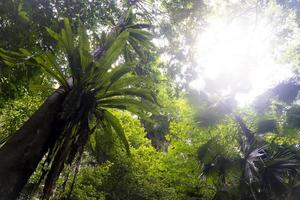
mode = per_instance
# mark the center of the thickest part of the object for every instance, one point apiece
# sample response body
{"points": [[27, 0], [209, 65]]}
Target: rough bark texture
{"points": [[20, 155]]}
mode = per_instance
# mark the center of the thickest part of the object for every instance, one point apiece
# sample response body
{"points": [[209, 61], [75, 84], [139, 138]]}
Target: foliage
{"points": [[257, 170], [123, 177], [116, 143], [15, 112], [18, 17]]}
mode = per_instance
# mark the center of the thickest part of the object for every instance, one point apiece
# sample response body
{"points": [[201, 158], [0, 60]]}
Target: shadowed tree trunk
{"points": [[21, 154]]}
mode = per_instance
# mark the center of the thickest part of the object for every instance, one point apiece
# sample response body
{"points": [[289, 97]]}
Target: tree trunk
{"points": [[21, 154]]}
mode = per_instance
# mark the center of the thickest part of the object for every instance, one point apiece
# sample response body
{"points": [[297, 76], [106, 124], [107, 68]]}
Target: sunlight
{"points": [[240, 58]]}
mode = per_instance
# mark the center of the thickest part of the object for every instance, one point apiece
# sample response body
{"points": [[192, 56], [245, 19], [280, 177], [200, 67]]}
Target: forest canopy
{"points": [[150, 99]]}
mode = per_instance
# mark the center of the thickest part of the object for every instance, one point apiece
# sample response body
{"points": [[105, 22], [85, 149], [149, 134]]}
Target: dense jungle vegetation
{"points": [[150, 99]]}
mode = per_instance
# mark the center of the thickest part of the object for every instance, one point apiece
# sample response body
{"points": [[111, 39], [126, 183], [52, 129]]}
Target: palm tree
{"points": [[258, 171], [91, 86]]}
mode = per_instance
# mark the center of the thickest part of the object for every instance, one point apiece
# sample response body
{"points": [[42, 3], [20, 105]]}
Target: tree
{"points": [[258, 170], [91, 85]]}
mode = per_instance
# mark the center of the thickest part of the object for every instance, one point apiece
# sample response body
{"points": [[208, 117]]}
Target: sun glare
{"points": [[240, 58]]}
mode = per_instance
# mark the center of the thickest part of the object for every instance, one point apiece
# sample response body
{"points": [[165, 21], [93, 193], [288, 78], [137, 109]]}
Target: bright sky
{"points": [[240, 58]]}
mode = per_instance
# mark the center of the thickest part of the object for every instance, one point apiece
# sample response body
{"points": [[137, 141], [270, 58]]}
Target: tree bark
{"points": [[21, 154]]}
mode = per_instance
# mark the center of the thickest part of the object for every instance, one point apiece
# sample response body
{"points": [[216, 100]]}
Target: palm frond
{"points": [[114, 122]]}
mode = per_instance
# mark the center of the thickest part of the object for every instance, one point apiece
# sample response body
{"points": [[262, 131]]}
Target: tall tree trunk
{"points": [[21, 154], [248, 134]]}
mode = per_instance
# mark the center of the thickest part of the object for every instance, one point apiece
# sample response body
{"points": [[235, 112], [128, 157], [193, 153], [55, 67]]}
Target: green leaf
{"points": [[53, 34], [48, 63], [140, 34], [111, 77], [67, 35], [118, 128], [131, 81], [23, 14], [135, 45], [25, 52], [83, 37], [119, 73], [143, 93], [141, 37], [107, 129], [127, 102], [114, 50], [84, 47]]}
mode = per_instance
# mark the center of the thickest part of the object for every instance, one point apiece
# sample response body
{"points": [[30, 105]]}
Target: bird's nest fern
{"points": [[94, 84]]}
